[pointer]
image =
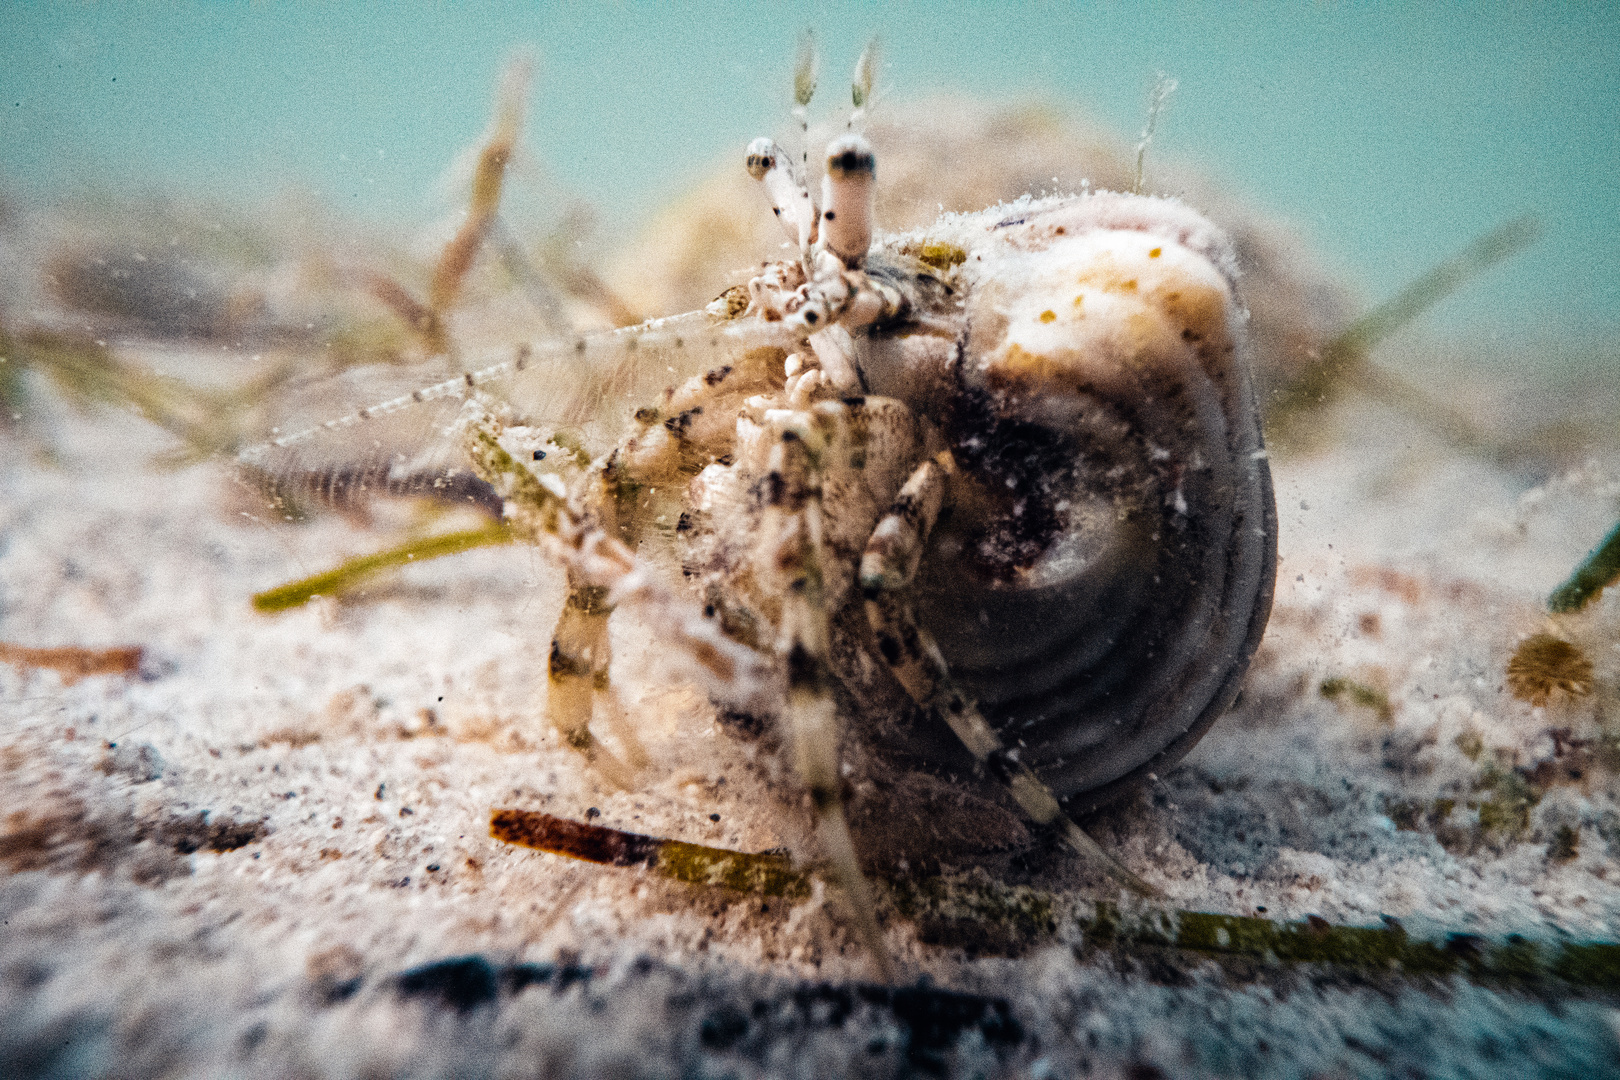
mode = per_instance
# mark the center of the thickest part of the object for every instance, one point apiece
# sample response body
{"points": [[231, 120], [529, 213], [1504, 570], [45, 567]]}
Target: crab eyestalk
{"points": [[846, 199], [790, 199]]}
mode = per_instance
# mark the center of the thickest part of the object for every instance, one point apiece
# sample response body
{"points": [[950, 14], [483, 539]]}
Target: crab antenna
{"points": [[790, 199], [865, 77], [806, 70], [846, 198]]}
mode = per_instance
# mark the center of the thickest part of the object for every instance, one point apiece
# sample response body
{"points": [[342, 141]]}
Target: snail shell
{"points": [[1107, 570]]}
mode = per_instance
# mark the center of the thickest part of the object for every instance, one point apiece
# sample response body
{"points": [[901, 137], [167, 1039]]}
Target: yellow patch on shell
{"points": [[1107, 306], [941, 255]]}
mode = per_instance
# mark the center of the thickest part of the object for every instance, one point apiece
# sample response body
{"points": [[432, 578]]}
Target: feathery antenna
{"points": [[805, 71], [864, 79]]}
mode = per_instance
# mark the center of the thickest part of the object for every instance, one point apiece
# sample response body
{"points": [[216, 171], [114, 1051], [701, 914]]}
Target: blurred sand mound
{"points": [[958, 155]]}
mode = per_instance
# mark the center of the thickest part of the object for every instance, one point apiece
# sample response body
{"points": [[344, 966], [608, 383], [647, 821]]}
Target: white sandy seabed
{"points": [[344, 759]]}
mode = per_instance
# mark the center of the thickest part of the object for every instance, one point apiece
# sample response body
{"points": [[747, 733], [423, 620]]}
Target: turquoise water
{"points": [[1391, 135]]}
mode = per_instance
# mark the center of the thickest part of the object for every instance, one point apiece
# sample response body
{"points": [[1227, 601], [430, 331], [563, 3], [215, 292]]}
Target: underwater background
{"points": [[1390, 135], [254, 730]]}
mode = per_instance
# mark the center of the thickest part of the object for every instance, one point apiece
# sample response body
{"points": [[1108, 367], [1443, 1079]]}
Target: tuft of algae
{"points": [[1544, 666], [1355, 693], [941, 255], [1597, 571], [1505, 804], [975, 913], [1496, 809], [348, 575]]}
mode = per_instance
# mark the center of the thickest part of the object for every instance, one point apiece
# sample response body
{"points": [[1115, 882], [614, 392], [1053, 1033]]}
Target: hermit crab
{"points": [[989, 497]]}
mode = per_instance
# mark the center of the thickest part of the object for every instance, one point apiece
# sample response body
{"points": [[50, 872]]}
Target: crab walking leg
{"points": [[692, 423], [603, 572], [815, 733], [794, 553], [577, 678], [579, 686], [667, 439], [896, 545], [888, 567]]}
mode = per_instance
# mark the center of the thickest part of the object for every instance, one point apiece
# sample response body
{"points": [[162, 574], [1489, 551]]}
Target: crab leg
{"points": [[577, 673], [887, 568], [596, 561], [669, 438], [793, 551]]}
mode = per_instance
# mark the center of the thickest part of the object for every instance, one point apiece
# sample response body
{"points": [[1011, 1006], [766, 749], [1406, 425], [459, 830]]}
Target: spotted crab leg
{"points": [[604, 573], [577, 675], [888, 567], [681, 430], [793, 552]]}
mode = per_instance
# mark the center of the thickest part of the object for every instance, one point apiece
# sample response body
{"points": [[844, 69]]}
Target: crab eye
{"points": [[761, 157], [847, 198], [849, 160]]}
